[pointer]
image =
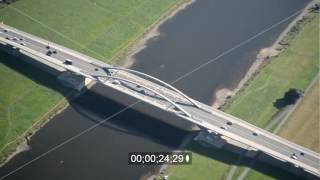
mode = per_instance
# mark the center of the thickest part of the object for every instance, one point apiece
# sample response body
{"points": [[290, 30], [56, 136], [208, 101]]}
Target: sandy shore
{"points": [[23, 146], [150, 34], [265, 53]]}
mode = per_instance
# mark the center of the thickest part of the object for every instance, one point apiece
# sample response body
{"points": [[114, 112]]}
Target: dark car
{"points": [[68, 62], [255, 133], [49, 53]]}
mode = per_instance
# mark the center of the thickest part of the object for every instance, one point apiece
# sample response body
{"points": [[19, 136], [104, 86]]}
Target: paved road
{"points": [[61, 56], [206, 117]]}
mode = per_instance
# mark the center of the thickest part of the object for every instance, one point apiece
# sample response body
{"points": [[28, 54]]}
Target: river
{"points": [[201, 32]]}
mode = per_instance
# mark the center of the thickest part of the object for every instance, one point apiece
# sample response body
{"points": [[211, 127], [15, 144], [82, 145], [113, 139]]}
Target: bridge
{"points": [[161, 95]]}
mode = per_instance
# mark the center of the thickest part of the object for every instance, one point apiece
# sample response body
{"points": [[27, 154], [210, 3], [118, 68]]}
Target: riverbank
{"points": [[20, 144], [224, 95], [125, 57], [282, 47]]}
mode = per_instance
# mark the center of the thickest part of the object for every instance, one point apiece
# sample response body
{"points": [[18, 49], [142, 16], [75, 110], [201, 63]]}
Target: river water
{"points": [[195, 35], [207, 29]]}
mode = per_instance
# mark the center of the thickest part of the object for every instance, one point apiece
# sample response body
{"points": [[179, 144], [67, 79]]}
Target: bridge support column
{"points": [[210, 139], [71, 80]]}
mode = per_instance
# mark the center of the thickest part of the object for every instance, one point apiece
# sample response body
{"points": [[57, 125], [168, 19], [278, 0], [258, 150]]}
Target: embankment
{"points": [[223, 95]]}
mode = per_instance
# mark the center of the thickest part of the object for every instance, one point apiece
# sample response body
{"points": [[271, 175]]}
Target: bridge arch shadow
{"points": [[152, 131]]}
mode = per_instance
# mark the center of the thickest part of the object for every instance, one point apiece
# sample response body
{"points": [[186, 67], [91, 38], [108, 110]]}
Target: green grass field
{"points": [[99, 28], [23, 101], [294, 68]]}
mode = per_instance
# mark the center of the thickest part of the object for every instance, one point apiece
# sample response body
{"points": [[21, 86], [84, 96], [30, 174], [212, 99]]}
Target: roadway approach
{"points": [[162, 96]]}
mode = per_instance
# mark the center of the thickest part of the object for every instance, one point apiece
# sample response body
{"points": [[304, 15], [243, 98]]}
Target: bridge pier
{"points": [[73, 81], [210, 139]]}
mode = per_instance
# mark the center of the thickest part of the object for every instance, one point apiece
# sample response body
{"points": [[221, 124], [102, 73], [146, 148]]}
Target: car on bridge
{"points": [[67, 62], [255, 133], [224, 127], [294, 156], [50, 52]]}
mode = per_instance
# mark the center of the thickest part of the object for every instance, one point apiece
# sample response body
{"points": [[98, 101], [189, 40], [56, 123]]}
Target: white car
{"points": [[116, 82], [294, 156]]}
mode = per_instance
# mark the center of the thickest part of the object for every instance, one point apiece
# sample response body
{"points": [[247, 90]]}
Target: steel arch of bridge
{"points": [[156, 81], [157, 93]]}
